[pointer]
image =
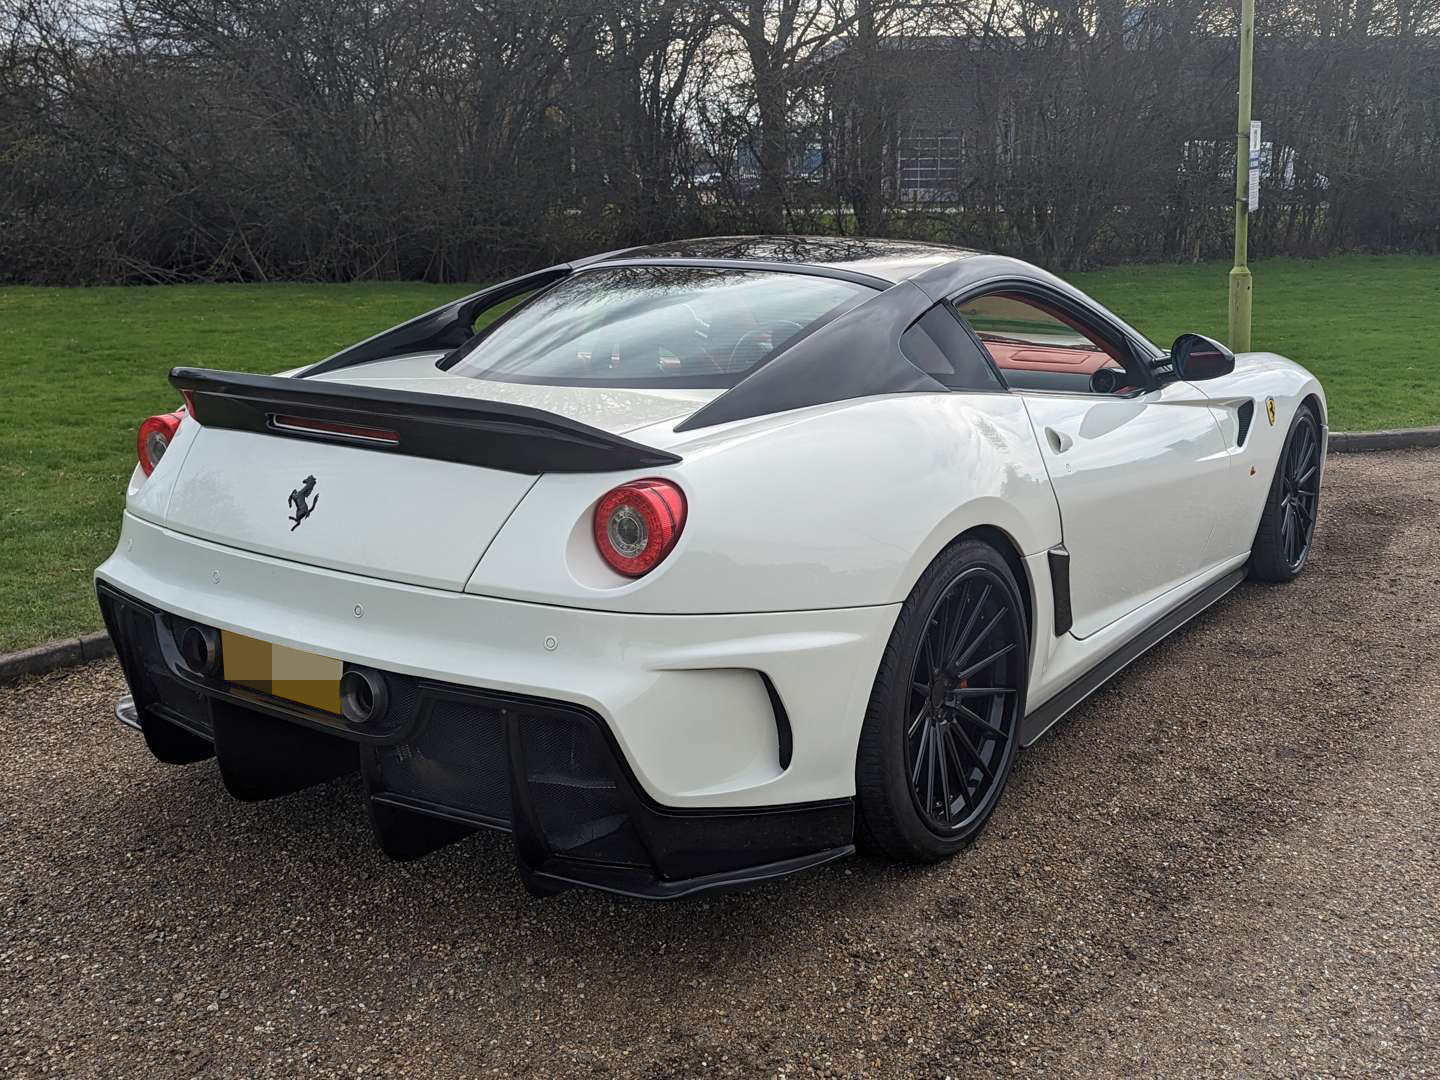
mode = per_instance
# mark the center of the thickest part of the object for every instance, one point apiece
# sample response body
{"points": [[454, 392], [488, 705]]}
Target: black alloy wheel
{"points": [[963, 698], [1300, 490], [942, 729], [1287, 524]]}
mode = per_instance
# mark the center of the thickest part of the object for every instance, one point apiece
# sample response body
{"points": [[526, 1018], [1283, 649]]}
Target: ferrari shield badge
{"points": [[303, 504], [1270, 410]]}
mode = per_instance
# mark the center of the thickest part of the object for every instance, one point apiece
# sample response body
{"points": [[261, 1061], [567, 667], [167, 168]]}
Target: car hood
{"points": [[616, 410]]}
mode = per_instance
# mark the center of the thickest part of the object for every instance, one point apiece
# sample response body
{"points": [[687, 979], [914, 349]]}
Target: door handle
{"points": [[1058, 440]]}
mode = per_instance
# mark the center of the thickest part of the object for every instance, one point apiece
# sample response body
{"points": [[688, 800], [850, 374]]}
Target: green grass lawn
{"points": [[1366, 325], [82, 367]]}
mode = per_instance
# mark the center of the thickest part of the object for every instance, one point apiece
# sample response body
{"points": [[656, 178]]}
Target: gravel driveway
{"points": [[1226, 862]]}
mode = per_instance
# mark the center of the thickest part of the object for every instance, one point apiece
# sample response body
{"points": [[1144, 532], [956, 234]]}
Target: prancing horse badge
{"points": [[1270, 410], [303, 509]]}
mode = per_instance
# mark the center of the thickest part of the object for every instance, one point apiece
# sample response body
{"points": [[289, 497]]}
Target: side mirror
{"points": [[1196, 358]]}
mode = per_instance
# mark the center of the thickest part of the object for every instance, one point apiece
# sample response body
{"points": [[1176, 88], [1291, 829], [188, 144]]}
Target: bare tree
{"points": [[634, 83], [781, 40], [164, 140]]}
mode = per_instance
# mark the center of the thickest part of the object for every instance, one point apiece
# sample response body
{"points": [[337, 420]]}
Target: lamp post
{"points": [[1240, 281]]}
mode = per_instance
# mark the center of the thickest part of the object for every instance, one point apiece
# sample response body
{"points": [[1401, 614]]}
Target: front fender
{"points": [[1258, 380]]}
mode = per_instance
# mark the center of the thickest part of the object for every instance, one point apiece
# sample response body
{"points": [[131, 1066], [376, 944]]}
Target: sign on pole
{"points": [[1254, 183]]}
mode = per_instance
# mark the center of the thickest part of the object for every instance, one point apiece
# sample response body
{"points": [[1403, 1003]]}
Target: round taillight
{"points": [[637, 524], [154, 437]]}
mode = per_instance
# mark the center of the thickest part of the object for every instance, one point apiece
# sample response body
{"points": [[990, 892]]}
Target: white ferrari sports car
{"points": [[700, 563]]}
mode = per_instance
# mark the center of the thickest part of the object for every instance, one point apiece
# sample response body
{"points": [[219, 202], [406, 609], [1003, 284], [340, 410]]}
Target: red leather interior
{"points": [[1016, 357]]}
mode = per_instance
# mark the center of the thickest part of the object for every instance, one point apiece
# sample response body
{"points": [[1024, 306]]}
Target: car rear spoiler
{"points": [[492, 434]]}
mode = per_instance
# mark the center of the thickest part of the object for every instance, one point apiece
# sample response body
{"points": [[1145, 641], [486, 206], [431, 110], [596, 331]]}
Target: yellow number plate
{"points": [[302, 677]]}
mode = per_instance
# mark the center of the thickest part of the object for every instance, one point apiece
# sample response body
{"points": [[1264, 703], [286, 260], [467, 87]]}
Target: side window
{"points": [[487, 315], [939, 345], [1043, 348]]}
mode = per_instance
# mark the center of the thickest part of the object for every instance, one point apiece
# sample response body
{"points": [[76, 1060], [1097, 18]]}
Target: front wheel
{"points": [[940, 733], [1287, 525]]}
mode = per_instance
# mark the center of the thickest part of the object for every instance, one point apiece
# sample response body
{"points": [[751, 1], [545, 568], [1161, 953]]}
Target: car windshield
{"points": [[647, 325]]}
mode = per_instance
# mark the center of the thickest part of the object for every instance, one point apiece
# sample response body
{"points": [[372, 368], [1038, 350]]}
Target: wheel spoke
{"points": [[980, 722], [974, 754], [1295, 460], [954, 622], [979, 638], [944, 771], [939, 631], [981, 691], [920, 716], [962, 774], [920, 755], [964, 635], [986, 662], [933, 758]]}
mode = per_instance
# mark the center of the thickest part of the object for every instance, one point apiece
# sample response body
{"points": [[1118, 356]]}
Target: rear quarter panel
{"points": [[840, 505]]}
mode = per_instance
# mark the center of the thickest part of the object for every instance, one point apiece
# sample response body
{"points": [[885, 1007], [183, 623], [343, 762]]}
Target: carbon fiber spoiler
{"points": [[495, 435]]}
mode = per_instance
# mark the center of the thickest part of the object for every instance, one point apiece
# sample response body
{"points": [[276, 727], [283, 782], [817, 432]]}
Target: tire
{"points": [[923, 738], [1287, 524]]}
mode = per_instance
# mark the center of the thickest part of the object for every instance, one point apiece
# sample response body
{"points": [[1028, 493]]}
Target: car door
{"points": [[1140, 471]]}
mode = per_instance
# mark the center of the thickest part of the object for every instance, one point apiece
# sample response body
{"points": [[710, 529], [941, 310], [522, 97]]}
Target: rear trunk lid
{"points": [[388, 470]]}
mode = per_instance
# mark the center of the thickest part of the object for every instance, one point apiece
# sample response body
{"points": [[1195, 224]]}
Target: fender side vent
{"points": [[1059, 558], [784, 735], [1245, 414]]}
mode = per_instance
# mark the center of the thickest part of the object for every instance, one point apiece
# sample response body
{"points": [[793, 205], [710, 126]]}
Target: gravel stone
{"points": [[1226, 863]]}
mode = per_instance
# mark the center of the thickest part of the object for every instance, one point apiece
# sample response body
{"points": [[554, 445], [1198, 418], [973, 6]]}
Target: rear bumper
{"points": [[726, 743], [460, 759], [685, 696]]}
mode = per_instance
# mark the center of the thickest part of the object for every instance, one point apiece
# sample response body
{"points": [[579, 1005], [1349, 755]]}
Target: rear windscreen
{"points": [[647, 325]]}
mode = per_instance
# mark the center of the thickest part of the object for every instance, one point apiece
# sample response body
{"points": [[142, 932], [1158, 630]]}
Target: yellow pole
{"points": [[1240, 281]]}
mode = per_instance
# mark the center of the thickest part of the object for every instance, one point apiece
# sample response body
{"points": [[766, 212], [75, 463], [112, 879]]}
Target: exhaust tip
{"points": [[364, 695], [200, 649]]}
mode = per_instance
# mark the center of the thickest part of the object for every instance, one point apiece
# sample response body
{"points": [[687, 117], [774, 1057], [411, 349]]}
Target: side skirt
{"points": [[1047, 715]]}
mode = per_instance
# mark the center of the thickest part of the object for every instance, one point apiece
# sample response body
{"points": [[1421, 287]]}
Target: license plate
{"points": [[305, 678]]}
